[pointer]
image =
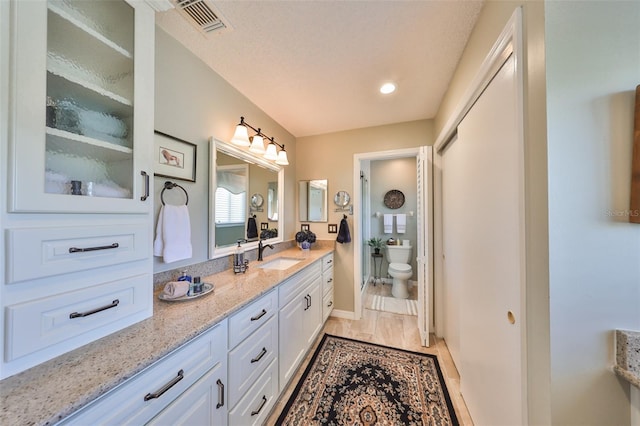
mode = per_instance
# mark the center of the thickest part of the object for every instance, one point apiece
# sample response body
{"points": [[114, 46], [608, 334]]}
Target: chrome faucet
{"points": [[261, 249]]}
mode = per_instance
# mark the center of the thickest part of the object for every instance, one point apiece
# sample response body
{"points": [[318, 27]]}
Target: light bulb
{"points": [[282, 158]]}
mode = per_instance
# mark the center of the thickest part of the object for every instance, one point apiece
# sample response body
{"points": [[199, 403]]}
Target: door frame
{"points": [[361, 230]]}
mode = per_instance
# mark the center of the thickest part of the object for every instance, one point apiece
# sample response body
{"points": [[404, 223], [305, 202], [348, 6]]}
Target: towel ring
{"points": [[171, 185]]}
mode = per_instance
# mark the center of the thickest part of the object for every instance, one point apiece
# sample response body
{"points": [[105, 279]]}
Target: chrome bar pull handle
{"points": [[264, 401], [166, 387], [82, 250], [262, 353], [260, 315], [146, 185], [94, 311], [220, 394]]}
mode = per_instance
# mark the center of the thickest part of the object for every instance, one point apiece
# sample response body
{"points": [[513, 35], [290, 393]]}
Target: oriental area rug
{"points": [[349, 382]]}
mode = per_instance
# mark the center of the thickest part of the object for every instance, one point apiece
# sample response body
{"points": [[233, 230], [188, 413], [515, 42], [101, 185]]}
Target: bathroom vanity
{"points": [[217, 359]]}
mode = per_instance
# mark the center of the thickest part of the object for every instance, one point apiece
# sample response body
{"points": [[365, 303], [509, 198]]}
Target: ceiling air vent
{"points": [[202, 14]]}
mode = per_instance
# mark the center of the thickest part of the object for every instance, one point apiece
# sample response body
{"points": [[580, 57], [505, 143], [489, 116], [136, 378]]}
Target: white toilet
{"points": [[399, 269]]}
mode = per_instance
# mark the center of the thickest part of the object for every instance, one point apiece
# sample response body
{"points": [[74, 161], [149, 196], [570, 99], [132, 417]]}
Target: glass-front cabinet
{"points": [[82, 117]]}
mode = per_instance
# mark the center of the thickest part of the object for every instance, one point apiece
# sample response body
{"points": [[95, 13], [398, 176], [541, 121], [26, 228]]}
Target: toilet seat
{"points": [[400, 267]]}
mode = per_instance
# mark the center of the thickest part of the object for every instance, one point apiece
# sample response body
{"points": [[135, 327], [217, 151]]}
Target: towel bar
{"points": [[171, 185]]}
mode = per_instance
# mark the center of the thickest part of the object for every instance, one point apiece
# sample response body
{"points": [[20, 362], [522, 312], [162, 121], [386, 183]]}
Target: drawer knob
{"points": [[82, 250], [264, 401], [260, 315], [94, 311], [262, 353], [166, 387]]}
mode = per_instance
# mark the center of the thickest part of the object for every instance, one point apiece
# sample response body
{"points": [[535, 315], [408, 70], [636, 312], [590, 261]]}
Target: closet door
{"points": [[484, 255]]}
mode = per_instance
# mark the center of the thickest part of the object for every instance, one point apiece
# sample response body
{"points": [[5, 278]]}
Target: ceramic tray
{"points": [[206, 289]]}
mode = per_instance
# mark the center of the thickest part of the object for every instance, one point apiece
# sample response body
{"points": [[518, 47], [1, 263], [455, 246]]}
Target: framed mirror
{"points": [[312, 200], [234, 214], [342, 199], [257, 201]]}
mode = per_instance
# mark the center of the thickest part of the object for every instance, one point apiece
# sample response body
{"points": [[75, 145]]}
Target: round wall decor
{"points": [[394, 199]]}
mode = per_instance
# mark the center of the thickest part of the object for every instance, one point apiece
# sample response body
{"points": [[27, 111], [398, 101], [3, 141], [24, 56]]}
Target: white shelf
{"points": [[91, 98], [104, 21], [83, 146]]}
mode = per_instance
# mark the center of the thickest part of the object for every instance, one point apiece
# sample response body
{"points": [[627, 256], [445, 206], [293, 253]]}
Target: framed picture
{"points": [[174, 158], [304, 227]]}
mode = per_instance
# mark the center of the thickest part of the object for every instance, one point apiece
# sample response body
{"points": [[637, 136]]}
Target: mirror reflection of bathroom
{"points": [[312, 200], [392, 201]]}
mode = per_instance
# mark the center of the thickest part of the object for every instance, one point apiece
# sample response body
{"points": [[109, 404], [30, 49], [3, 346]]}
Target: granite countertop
{"points": [[628, 356], [55, 389]]}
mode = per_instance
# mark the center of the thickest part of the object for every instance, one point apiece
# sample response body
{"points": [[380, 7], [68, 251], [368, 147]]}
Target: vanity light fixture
{"points": [[256, 143]]}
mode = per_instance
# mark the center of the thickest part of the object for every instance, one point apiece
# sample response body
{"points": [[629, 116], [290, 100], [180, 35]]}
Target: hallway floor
{"points": [[384, 328]]}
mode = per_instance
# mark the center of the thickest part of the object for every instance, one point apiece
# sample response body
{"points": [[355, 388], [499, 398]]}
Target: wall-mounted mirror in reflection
{"points": [[312, 200], [236, 204], [272, 201]]}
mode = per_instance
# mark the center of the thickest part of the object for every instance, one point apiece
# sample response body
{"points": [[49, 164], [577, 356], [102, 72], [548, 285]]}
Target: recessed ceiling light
{"points": [[387, 88]]}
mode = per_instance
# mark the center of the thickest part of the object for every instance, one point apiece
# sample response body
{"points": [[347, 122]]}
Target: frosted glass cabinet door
{"points": [[82, 107]]}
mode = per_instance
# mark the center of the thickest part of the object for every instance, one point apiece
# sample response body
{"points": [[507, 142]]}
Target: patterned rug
{"points": [[349, 382], [391, 304]]}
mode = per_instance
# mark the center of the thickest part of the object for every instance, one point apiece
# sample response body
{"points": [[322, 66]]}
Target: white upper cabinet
{"points": [[81, 112]]}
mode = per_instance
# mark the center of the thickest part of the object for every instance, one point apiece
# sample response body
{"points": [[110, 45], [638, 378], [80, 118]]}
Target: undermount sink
{"points": [[280, 263]]}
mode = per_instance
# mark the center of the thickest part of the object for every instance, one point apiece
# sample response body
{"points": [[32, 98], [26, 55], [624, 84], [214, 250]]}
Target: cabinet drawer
{"points": [[40, 323], [327, 306], [250, 359], [327, 262], [250, 318], [254, 408], [327, 281], [126, 403], [41, 252], [291, 288]]}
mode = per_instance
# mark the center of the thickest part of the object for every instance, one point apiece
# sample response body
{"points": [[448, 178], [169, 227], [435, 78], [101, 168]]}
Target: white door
{"points": [[483, 244], [424, 244]]}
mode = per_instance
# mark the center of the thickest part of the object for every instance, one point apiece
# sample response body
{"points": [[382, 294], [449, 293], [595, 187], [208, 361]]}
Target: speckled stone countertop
{"points": [[628, 356], [53, 390]]}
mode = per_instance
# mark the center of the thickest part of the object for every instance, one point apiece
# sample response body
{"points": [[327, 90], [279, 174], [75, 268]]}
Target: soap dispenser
{"points": [[239, 265]]}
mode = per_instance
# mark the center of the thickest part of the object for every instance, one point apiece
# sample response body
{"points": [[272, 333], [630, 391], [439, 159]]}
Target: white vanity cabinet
{"points": [[188, 384], [78, 229], [300, 300], [327, 286], [253, 361]]}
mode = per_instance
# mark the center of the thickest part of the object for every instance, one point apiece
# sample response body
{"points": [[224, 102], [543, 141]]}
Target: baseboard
{"points": [[337, 313]]}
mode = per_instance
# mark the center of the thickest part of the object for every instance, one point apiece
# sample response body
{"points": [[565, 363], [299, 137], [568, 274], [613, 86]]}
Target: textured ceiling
{"points": [[316, 66]]}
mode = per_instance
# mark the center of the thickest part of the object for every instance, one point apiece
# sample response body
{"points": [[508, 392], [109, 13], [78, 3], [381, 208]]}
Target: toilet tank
{"points": [[398, 254]]}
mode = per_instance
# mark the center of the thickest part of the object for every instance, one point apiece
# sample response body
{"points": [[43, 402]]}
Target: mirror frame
{"points": [[229, 149]]}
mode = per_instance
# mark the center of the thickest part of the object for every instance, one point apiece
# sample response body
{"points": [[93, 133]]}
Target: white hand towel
{"points": [[173, 234], [175, 289], [401, 223], [388, 223]]}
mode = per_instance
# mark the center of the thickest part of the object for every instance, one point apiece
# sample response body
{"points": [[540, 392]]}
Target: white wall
{"points": [[593, 67]]}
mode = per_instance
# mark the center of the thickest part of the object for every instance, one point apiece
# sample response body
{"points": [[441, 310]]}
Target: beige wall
{"points": [[194, 103], [593, 67], [330, 156], [491, 22]]}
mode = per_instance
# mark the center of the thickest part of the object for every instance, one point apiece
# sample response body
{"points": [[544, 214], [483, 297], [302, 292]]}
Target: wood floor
{"points": [[399, 331]]}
